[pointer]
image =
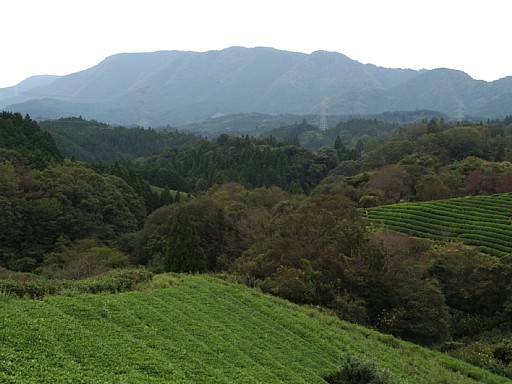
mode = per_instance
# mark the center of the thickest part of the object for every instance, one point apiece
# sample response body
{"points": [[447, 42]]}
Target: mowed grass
{"points": [[482, 221], [199, 330]]}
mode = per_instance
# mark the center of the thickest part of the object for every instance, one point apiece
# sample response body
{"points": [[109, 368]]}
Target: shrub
{"points": [[114, 281], [33, 288], [86, 258], [5, 295], [485, 355], [359, 371], [503, 352]]}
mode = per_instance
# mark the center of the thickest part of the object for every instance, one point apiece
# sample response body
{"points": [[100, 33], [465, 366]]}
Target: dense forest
{"points": [[92, 141], [271, 214]]}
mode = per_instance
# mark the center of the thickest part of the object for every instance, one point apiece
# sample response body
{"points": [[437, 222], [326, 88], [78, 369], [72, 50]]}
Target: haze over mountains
{"points": [[178, 87]]}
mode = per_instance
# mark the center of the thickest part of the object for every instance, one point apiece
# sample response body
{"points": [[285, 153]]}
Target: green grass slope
{"points": [[199, 330], [482, 221]]}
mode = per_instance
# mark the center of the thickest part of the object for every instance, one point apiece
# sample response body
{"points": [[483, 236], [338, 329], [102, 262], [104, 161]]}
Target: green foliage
{"points": [[465, 141], [440, 160], [24, 136], [93, 205], [94, 142], [86, 258], [360, 129], [65, 201], [422, 315], [23, 285], [368, 201], [358, 371], [393, 182], [227, 220], [152, 199], [319, 251], [308, 252], [114, 281], [292, 131], [492, 355], [432, 187], [473, 282], [28, 220], [184, 252], [250, 162], [148, 246]]}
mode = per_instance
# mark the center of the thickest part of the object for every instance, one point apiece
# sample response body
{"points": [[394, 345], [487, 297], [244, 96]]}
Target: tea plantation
{"points": [[482, 221], [198, 329]]}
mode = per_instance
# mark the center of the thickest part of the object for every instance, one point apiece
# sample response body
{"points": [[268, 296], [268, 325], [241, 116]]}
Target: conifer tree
{"points": [[184, 253], [166, 197]]}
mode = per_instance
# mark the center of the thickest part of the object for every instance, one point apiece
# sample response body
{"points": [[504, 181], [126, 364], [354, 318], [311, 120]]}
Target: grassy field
{"points": [[198, 330], [482, 221]]}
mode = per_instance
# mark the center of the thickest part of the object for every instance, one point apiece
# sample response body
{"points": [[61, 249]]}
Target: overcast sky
{"points": [[60, 37]]}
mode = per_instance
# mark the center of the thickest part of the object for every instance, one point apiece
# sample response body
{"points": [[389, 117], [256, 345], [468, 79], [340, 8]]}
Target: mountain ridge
{"points": [[181, 87]]}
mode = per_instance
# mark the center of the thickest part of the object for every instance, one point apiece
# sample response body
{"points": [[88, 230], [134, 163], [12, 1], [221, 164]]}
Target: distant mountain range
{"points": [[178, 87]]}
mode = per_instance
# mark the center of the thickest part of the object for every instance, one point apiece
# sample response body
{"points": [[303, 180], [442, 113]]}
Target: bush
{"points": [[493, 358], [34, 288], [86, 258], [114, 281], [5, 295], [359, 371], [118, 280], [422, 315]]}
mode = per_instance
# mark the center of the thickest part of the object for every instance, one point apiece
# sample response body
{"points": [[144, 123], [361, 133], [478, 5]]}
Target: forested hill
{"points": [[46, 202], [176, 87], [263, 125], [92, 141], [348, 131], [186, 162], [21, 140]]}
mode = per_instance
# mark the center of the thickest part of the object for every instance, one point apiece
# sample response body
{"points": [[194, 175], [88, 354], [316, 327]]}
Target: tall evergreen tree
{"points": [[184, 253], [166, 197]]}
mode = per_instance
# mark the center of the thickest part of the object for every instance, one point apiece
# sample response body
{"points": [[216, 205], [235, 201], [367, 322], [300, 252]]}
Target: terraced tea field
{"points": [[199, 330], [482, 221]]}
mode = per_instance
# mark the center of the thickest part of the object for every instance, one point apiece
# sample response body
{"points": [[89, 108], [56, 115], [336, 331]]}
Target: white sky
{"points": [[59, 37]]}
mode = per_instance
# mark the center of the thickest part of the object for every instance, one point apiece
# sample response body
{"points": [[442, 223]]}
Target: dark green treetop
{"points": [[184, 253]]}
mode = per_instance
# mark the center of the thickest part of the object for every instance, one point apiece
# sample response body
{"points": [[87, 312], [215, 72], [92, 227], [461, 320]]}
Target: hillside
{"points": [[199, 330], [22, 140], [482, 221], [262, 125], [92, 141], [178, 87], [28, 87]]}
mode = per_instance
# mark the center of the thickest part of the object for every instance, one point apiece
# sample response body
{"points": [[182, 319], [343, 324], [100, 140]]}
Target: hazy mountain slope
{"points": [[446, 90], [177, 87], [27, 87], [173, 87], [200, 330]]}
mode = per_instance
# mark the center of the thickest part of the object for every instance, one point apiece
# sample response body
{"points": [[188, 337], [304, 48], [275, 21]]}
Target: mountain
{"points": [[27, 87], [182, 87]]}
